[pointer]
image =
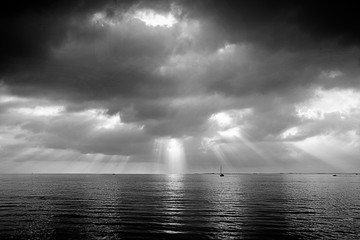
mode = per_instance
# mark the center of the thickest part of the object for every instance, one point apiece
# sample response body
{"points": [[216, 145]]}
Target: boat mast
{"points": [[221, 174]]}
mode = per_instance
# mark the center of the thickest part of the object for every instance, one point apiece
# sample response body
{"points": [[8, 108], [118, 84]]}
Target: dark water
{"points": [[278, 206]]}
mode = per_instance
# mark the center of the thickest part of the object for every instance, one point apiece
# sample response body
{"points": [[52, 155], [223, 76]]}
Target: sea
{"points": [[189, 206]]}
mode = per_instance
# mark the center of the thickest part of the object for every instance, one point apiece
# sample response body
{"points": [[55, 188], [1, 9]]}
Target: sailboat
{"points": [[221, 174]]}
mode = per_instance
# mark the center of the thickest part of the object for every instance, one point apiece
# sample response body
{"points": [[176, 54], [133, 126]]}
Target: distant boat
{"points": [[334, 175], [221, 174]]}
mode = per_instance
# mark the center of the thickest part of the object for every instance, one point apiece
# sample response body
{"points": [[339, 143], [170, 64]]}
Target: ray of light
{"points": [[114, 163], [253, 147], [122, 162], [175, 155], [159, 144], [299, 153], [93, 164], [219, 153], [330, 149], [171, 152], [228, 132]]}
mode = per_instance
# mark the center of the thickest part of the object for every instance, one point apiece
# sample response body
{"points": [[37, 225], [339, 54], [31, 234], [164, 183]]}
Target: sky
{"points": [[179, 86]]}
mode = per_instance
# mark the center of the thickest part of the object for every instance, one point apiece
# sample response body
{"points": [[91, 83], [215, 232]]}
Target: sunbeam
{"points": [[175, 155], [170, 151], [332, 149], [226, 130]]}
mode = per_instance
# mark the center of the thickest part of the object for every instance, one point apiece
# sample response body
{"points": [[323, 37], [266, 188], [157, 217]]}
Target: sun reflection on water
{"points": [[174, 200]]}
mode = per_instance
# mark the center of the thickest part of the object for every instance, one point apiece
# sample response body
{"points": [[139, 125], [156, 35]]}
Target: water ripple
{"points": [[179, 207]]}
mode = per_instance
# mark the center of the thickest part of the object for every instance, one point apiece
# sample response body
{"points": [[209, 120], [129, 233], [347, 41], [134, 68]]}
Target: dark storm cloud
{"points": [[105, 64], [167, 81], [280, 24], [88, 81], [268, 72], [31, 29], [117, 65]]}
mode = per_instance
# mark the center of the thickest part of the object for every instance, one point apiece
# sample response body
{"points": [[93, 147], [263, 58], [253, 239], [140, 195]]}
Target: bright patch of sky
{"points": [[47, 111], [148, 16], [154, 19], [221, 119], [290, 133], [342, 101]]}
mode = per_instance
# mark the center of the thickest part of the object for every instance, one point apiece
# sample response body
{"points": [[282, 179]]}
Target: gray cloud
{"points": [[263, 58]]}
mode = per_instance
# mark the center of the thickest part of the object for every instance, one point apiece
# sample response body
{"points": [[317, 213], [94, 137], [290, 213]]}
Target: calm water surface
{"points": [[258, 206]]}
